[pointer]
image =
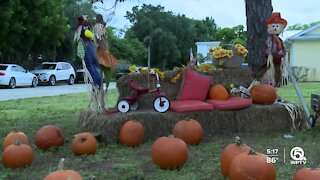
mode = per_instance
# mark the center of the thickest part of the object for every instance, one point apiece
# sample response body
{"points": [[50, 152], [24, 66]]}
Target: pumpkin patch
{"points": [[252, 165], [131, 133], [229, 153], [13, 136], [84, 143], [169, 152], [189, 130], [17, 155], [263, 94], [218, 92], [49, 136]]}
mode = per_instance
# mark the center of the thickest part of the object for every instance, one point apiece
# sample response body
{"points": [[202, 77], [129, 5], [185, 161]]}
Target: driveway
{"points": [[41, 91]]}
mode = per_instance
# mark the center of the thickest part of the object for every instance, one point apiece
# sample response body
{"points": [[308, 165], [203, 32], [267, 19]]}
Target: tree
{"points": [[172, 35], [257, 12], [302, 27]]}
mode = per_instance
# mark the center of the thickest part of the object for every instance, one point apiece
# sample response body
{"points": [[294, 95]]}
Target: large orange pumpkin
{"points": [[49, 136], [229, 153], [252, 165], [169, 152], [263, 94], [84, 143], [189, 130], [307, 174], [17, 155], [218, 92], [131, 133], [13, 136], [61, 174]]}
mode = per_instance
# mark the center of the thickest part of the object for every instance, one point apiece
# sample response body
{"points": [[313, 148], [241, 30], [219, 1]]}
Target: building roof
{"points": [[306, 34]]}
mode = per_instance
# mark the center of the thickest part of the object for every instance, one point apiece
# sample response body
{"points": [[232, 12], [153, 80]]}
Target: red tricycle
{"points": [[160, 104]]}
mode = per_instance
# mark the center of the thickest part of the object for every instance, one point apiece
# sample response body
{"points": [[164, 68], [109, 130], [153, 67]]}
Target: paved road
{"points": [[40, 91]]}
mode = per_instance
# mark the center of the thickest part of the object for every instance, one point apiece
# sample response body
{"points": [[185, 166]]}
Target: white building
{"points": [[203, 48]]}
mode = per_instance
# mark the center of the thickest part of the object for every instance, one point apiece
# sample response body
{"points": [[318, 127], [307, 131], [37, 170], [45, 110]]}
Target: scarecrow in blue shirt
{"points": [[86, 52]]}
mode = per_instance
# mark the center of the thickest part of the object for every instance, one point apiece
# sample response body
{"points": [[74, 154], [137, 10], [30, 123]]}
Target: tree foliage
{"points": [[302, 26], [30, 25]]}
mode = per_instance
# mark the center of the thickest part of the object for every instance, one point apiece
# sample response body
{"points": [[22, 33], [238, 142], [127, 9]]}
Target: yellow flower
{"points": [[132, 68]]}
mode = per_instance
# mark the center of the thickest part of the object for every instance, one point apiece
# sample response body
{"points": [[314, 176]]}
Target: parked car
{"points": [[51, 72], [123, 72], [13, 75]]}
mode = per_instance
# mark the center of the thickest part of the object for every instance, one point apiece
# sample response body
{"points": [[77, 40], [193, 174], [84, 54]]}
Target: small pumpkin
{"points": [[252, 165], [49, 136], [84, 143], [189, 130], [218, 92], [13, 136], [229, 153], [169, 152], [263, 94], [63, 174], [307, 174], [17, 155], [131, 133]]}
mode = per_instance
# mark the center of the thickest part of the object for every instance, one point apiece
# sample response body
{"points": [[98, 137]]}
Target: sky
{"points": [[226, 13]]}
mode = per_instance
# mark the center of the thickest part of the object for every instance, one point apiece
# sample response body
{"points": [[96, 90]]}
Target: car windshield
{"points": [[3, 67], [46, 66]]}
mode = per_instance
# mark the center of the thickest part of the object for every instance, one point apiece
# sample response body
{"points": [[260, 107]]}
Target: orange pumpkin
{"points": [[49, 136], [189, 130], [17, 155], [252, 165], [131, 133], [84, 143], [263, 94], [63, 174], [229, 153], [218, 92], [169, 152], [307, 174], [13, 136]]}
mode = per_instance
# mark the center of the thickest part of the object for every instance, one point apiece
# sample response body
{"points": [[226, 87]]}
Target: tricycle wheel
{"points": [[161, 104], [123, 106]]}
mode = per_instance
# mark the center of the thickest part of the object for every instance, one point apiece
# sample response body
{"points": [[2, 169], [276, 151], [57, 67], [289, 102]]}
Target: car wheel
{"points": [[71, 80], [34, 82], [12, 83], [52, 81]]}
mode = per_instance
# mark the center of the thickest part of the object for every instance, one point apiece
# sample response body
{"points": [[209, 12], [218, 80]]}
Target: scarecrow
{"points": [[85, 51], [105, 58], [274, 71]]}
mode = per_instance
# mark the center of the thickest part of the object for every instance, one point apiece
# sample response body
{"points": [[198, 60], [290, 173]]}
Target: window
{"points": [[59, 67], [66, 66], [3, 67]]}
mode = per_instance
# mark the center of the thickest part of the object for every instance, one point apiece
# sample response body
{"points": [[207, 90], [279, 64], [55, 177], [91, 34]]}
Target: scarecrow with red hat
{"points": [[271, 71]]}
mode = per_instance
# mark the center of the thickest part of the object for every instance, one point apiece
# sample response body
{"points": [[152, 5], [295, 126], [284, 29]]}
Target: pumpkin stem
{"points": [[252, 152], [17, 142], [82, 139], [61, 164], [238, 141]]}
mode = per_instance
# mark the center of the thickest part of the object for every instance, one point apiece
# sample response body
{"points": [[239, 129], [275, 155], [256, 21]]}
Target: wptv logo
{"points": [[297, 156]]}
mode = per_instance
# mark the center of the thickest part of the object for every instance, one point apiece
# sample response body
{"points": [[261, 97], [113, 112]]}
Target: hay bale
{"points": [[236, 76], [257, 118]]}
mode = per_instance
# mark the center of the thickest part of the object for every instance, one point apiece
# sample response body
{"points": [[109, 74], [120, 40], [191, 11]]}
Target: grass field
{"points": [[115, 161]]}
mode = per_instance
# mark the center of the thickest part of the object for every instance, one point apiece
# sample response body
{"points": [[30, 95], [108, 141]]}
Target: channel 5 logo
{"points": [[297, 156]]}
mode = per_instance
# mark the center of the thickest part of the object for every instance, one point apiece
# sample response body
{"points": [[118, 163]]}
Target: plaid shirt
{"points": [[81, 49]]}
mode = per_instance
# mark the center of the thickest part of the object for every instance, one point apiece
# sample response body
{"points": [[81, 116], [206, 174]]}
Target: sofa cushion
{"points": [[232, 103], [190, 105], [194, 86]]}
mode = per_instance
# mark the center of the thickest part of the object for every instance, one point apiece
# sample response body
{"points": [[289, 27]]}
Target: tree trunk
{"points": [[257, 11]]}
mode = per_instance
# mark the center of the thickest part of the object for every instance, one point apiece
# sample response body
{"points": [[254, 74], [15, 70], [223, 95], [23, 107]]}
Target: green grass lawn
{"points": [[115, 161]]}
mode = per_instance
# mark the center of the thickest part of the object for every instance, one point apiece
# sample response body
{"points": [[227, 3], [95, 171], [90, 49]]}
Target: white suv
{"points": [[50, 72]]}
